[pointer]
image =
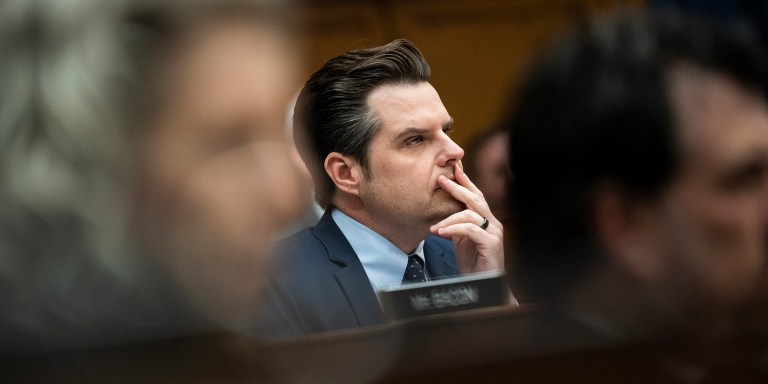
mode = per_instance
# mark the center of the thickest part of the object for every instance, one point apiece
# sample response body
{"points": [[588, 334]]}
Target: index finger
{"points": [[472, 198], [463, 179]]}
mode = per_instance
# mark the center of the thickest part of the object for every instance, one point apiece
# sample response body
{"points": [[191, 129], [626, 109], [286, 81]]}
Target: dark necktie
{"points": [[414, 272]]}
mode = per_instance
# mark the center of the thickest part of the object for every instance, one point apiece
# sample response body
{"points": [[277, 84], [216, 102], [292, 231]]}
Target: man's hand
{"points": [[477, 249]]}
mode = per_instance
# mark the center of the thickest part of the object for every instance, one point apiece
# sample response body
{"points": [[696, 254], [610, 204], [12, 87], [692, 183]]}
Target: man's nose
{"points": [[452, 152]]}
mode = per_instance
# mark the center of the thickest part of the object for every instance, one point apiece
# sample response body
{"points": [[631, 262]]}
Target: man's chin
{"points": [[448, 208]]}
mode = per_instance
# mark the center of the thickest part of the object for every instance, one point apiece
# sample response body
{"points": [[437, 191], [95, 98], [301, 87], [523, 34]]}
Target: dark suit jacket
{"points": [[318, 284]]}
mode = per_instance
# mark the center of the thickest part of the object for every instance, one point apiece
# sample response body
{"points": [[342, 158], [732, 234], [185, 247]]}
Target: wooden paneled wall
{"points": [[478, 49]]}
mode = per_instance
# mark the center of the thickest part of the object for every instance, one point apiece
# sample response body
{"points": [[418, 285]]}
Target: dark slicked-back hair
{"points": [[595, 110], [332, 113]]}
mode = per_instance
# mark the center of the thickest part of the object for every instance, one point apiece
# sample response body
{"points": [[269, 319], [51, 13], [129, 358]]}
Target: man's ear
{"points": [[344, 171], [627, 231]]}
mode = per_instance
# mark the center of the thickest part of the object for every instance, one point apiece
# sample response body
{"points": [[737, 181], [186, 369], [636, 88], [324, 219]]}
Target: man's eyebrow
{"points": [[419, 131], [411, 131]]}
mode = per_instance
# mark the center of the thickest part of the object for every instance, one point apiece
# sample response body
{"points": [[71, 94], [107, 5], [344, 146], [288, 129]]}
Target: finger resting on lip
{"points": [[447, 182], [463, 179], [460, 176], [458, 191], [466, 193]]}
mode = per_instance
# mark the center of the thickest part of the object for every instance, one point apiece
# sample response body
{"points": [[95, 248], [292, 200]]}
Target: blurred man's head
{"points": [[641, 145], [135, 128], [215, 177]]}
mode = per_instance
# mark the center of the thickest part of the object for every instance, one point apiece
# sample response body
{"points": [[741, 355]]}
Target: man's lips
{"points": [[437, 185]]}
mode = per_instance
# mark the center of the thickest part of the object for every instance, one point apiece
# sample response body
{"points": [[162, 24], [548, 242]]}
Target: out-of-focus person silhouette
{"points": [[639, 151], [487, 162], [735, 12], [144, 167]]}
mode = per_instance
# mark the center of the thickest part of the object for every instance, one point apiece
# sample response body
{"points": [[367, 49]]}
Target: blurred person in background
{"points": [[639, 150], [487, 162], [143, 167], [734, 12]]}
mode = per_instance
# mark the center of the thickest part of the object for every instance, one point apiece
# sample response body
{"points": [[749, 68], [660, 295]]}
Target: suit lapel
{"points": [[351, 277], [354, 281], [440, 263]]}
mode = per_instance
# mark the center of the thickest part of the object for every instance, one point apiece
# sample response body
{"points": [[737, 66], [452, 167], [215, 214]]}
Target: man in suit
{"points": [[376, 139]]}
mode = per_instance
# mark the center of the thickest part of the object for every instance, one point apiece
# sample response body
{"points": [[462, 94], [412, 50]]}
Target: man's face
{"points": [[216, 177], [408, 153], [713, 218]]}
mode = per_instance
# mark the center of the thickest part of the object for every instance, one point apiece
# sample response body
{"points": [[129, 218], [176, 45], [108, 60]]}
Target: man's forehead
{"points": [[408, 105], [717, 118]]}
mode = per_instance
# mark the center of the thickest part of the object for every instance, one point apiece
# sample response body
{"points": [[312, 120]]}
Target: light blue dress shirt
{"points": [[383, 262]]}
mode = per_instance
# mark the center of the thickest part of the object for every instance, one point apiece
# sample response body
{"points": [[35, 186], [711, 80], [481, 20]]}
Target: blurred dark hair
{"points": [[332, 113], [596, 109]]}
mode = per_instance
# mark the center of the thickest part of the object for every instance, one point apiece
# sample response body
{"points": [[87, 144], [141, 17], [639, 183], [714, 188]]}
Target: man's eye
{"points": [[448, 130], [415, 140], [225, 139], [753, 174]]}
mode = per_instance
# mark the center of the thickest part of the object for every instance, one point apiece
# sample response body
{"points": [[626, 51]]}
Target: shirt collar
{"points": [[383, 262]]}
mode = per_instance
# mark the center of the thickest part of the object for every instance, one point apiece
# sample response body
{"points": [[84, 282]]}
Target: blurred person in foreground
{"points": [[143, 167], [639, 150], [376, 139]]}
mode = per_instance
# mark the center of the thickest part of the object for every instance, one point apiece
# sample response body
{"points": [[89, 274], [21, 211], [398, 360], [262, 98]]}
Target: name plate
{"points": [[479, 290]]}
